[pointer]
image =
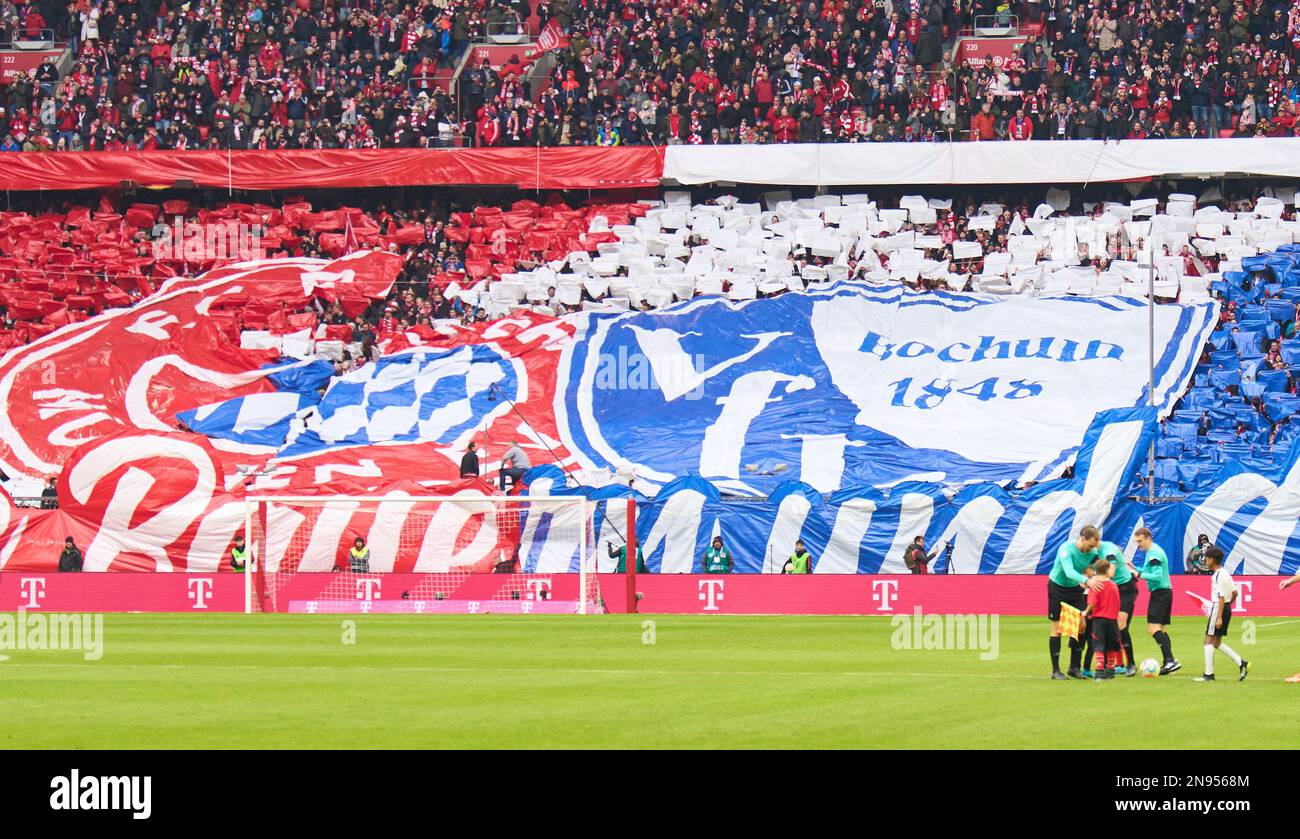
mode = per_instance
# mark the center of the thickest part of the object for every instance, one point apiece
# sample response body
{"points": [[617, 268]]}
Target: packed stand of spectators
{"points": [[1135, 70], [750, 71], [325, 74], [253, 74]]}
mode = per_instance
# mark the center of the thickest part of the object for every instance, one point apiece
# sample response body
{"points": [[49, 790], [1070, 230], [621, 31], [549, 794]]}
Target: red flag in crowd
{"points": [[551, 37]]}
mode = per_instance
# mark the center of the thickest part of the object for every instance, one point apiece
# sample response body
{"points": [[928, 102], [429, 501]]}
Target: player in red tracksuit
{"points": [[1103, 610]]}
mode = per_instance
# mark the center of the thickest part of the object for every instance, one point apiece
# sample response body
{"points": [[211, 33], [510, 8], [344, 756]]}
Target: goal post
{"points": [[422, 554]]}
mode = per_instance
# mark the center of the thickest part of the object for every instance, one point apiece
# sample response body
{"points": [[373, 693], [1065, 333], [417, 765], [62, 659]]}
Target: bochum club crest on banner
{"points": [[858, 385]]}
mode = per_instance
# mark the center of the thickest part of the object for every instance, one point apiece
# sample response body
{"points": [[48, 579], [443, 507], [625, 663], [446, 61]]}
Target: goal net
{"points": [[414, 555]]}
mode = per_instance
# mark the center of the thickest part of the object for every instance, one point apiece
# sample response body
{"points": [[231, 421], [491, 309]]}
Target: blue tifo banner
{"points": [[860, 385], [1253, 515]]}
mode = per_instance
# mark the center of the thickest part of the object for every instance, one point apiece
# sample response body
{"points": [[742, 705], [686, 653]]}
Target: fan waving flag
{"points": [[551, 37]]}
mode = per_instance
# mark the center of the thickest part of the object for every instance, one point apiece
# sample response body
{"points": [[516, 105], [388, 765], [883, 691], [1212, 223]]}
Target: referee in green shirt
{"points": [[1155, 571], [1128, 593], [1067, 583]]}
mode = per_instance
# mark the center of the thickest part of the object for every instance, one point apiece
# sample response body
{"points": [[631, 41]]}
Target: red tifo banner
{"points": [[178, 349], [524, 168], [137, 494]]}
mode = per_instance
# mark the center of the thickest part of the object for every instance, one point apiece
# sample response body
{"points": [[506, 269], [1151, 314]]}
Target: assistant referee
{"points": [[1067, 583]]}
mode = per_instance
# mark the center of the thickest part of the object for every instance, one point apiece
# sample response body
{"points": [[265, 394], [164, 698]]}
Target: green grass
{"points": [[182, 681]]}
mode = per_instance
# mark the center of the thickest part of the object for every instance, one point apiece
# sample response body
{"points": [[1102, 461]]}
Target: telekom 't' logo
{"points": [[200, 591], [33, 588], [368, 590], [884, 592], [1245, 596], [711, 593]]}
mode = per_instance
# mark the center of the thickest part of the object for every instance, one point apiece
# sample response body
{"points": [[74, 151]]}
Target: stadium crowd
{"points": [[359, 73], [54, 250], [60, 262]]}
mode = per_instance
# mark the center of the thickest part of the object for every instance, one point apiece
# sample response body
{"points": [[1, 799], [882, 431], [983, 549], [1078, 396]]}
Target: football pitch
{"points": [[613, 681]]}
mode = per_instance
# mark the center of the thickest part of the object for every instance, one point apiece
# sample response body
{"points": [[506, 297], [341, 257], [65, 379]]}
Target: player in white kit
{"points": [[1223, 593]]}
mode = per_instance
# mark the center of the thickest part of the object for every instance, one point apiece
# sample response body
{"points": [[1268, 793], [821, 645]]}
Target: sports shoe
{"points": [[1088, 674], [1243, 670], [1208, 677], [1058, 676], [1130, 671], [1170, 667], [1074, 673]]}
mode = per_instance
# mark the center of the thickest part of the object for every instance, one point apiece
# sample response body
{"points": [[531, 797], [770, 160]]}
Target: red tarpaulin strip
{"points": [[525, 168]]}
